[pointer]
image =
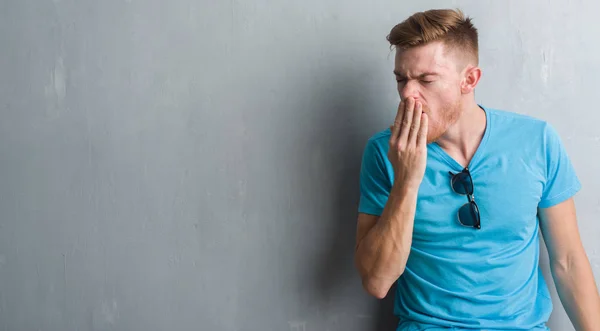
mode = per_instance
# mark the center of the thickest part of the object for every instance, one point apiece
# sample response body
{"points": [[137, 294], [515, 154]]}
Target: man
{"points": [[453, 195]]}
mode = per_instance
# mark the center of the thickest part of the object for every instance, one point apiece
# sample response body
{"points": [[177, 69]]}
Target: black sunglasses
{"points": [[468, 214]]}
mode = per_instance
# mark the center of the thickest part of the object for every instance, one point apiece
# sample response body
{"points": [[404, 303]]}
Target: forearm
{"points": [[382, 254], [578, 292]]}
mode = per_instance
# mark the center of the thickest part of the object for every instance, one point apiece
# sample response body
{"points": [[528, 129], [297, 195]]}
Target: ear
{"points": [[471, 76]]}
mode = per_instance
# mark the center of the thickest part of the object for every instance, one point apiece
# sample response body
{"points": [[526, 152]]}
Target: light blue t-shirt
{"points": [[459, 277]]}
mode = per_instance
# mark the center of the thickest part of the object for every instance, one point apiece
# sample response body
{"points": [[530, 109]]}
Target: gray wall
{"points": [[192, 165]]}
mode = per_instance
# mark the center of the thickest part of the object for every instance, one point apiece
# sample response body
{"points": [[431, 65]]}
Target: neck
{"points": [[463, 137]]}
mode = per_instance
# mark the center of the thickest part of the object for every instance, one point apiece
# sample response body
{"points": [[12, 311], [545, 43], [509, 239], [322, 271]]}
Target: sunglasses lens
{"points": [[462, 183], [468, 215]]}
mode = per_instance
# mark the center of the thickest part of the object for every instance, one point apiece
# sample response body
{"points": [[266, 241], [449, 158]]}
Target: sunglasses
{"points": [[468, 214]]}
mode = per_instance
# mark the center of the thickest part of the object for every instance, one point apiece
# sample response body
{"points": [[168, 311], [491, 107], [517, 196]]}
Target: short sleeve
{"points": [[374, 180], [561, 180]]}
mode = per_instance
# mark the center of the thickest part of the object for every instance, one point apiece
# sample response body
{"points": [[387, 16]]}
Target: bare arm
{"points": [[383, 243], [570, 266]]}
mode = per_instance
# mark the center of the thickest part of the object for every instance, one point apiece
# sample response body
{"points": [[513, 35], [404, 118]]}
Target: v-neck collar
{"points": [[455, 164]]}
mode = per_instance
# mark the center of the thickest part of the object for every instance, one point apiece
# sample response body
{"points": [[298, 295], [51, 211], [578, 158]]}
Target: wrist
{"points": [[404, 189]]}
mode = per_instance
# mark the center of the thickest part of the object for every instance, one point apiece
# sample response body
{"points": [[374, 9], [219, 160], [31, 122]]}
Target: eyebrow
{"points": [[429, 73]]}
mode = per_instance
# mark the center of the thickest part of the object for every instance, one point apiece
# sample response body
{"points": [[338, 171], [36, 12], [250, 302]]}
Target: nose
{"points": [[409, 89]]}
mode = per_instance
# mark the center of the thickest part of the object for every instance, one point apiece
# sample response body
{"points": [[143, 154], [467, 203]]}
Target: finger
{"points": [[397, 122], [416, 123], [422, 137], [407, 120]]}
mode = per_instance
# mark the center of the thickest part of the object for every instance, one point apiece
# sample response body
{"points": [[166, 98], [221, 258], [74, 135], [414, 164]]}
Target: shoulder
{"points": [[375, 151], [519, 125], [380, 137], [503, 116], [379, 141]]}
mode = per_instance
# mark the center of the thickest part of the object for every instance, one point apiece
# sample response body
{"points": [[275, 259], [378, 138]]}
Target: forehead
{"points": [[430, 57]]}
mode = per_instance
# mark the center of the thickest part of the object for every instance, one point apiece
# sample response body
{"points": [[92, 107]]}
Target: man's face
{"points": [[433, 77]]}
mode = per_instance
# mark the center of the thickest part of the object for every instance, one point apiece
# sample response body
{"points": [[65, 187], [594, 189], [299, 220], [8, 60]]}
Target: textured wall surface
{"points": [[193, 165]]}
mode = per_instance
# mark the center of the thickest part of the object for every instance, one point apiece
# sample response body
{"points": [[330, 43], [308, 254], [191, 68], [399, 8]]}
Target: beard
{"points": [[441, 119]]}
